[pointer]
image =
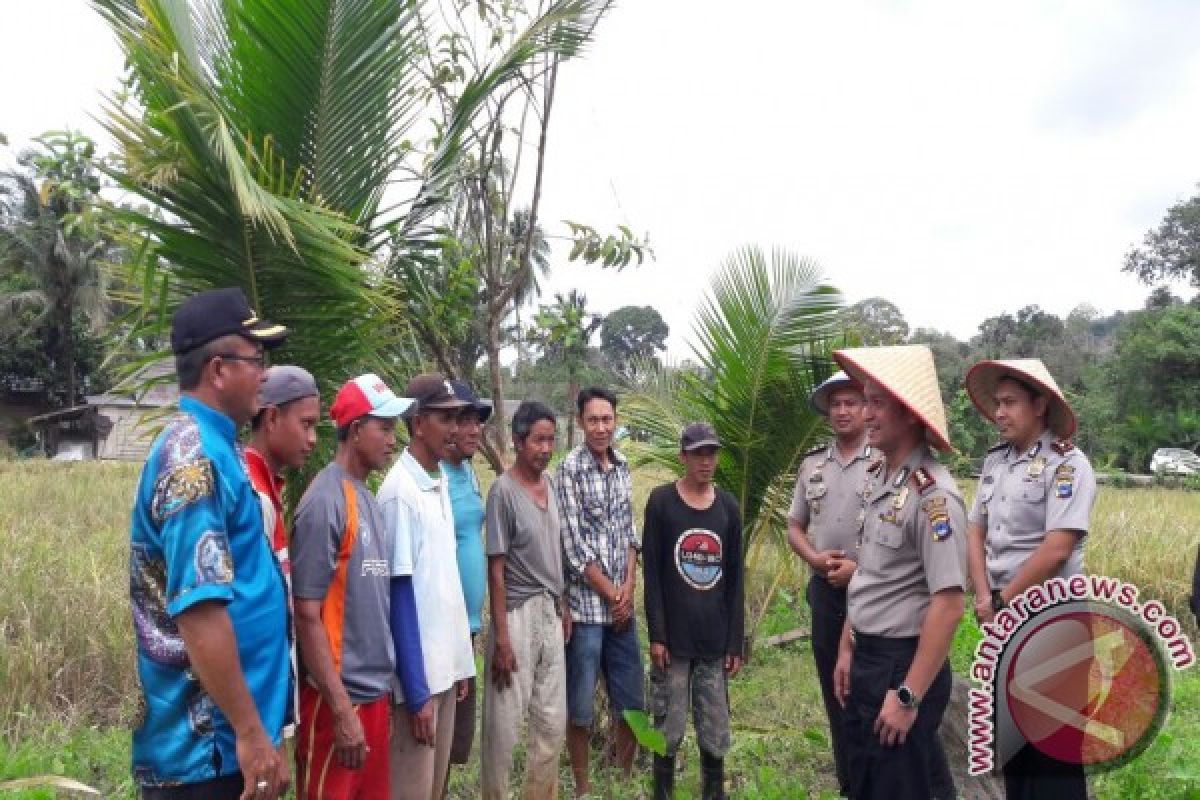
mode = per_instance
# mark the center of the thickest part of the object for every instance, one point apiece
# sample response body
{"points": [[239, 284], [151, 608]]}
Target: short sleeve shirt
{"points": [[361, 587], [1022, 495], [829, 495], [197, 535], [913, 545], [417, 511], [528, 537]]}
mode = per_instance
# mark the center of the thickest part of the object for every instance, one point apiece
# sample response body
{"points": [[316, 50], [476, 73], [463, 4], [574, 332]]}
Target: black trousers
{"points": [[228, 787], [915, 770], [1032, 775], [828, 607]]}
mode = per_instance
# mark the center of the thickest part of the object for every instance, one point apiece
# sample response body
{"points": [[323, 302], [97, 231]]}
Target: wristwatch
{"points": [[997, 601], [907, 697]]}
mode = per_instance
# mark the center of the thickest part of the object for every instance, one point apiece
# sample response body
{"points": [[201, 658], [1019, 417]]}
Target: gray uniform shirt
{"points": [[529, 539], [1022, 495], [317, 532], [913, 544], [828, 500]]}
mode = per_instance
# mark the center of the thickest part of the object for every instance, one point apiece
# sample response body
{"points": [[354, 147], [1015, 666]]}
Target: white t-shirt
{"points": [[417, 509]]}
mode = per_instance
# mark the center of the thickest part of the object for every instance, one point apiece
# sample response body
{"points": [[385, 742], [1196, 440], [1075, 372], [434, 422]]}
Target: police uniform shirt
{"points": [[828, 498], [1022, 495], [913, 545]]}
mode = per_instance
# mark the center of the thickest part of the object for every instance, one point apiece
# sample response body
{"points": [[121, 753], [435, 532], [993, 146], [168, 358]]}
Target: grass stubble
{"points": [[67, 680]]}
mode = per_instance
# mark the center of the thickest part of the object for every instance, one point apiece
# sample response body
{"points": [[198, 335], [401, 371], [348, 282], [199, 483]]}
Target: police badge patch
{"points": [[939, 518], [1064, 481]]}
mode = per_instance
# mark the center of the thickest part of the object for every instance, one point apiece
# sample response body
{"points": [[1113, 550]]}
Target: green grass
{"points": [[66, 666]]}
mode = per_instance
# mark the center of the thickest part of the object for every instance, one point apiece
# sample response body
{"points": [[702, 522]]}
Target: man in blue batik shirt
{"points": [[209, 599]]}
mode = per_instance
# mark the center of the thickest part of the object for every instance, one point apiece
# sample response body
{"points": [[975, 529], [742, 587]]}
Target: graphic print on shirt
{"points": [[698, 557]]}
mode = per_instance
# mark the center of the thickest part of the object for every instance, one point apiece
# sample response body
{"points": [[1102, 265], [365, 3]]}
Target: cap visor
{"points": [[484, 411], [396, 407], [704, 443], [447, 404], [267, 333]]}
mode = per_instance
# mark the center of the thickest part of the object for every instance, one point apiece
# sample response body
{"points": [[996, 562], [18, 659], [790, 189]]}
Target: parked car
{"points": [[1174, 461]]}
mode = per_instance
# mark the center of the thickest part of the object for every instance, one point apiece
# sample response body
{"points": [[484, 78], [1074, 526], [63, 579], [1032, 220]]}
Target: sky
{"points": [[961, 160]]}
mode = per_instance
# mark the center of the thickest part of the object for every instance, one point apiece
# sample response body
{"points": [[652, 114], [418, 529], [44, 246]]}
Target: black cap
{"points": [[216, 313], [463, 391], [431, 391], [697, 435]]}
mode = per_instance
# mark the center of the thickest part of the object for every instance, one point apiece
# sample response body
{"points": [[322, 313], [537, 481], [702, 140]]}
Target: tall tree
{"points": [[53, 250], [497, 219], [1172, 250], [631, 334], [877, 321]]}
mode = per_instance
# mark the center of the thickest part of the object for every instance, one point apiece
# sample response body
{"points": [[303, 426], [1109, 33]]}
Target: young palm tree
{"points": [[762, 340], [265, 137]]}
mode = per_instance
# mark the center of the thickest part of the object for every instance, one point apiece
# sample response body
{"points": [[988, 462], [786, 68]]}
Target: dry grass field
{"points": [[66, 666]]}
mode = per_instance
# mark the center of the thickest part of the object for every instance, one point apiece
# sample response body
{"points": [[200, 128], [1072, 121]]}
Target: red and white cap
{"points": [[368, 395]]}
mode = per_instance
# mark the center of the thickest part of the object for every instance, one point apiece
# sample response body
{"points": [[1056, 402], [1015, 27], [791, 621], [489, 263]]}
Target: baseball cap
{"points": [[463, 391], [697, 435], [432, 390], [219, 312], [368, 395], [285, 383]]}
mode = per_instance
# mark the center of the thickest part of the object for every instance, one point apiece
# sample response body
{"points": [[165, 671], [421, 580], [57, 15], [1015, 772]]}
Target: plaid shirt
{"points": [[596, 517]]}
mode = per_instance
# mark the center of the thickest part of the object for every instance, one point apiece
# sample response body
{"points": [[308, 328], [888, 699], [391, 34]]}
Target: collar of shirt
{"points": [[420, 475], [889, 487], [1041, 446], [834, 454], [588, 458], [261, 475], [210, 418]]}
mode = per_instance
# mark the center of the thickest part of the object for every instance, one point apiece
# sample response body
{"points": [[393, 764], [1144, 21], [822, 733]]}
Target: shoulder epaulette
{"points": [[1063, 446], [923, 480], [821, 448], [996, 447]]}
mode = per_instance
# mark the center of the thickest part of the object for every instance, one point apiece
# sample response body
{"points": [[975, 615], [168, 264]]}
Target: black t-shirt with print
{"points": [[693, 574]]}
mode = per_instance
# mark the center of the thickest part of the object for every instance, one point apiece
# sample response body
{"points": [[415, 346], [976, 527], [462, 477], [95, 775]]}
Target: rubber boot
{"points": [[713, 770], [664, 777]]}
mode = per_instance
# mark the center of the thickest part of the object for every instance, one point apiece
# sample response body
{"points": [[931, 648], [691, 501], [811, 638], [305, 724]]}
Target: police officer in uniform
{"points": [[823, 526], [1028, 522], [906, 597]]}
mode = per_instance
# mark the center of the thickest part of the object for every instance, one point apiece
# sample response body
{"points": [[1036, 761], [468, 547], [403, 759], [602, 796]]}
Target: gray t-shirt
{"points": [[359, 640], [528, 537]]}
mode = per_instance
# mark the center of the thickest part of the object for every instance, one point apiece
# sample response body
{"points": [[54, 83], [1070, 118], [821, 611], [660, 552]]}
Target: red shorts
{"points": [[319, 776]]}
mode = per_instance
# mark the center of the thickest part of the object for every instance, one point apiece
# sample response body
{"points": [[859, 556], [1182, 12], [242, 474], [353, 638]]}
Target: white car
{"points": [[1174, 461]]}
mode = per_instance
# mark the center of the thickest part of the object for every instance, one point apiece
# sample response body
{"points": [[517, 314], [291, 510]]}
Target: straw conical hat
{"points": [[819, 399], [981, 386], [907, 373]]}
